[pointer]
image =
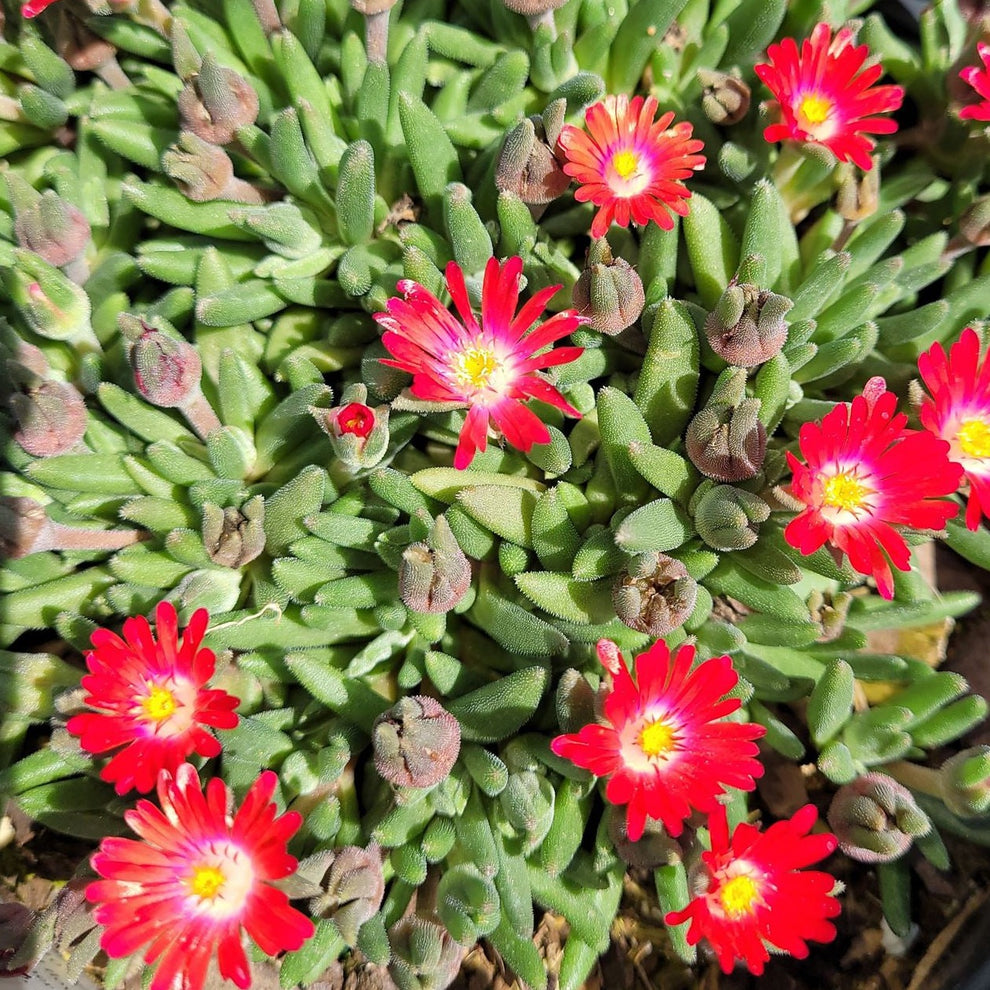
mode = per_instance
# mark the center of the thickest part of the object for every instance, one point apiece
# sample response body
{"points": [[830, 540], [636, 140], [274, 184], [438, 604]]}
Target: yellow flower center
{"points": [[974, 438], [657, 738], [625, 163], [738, 896], [815, 109], [206, 882], [845, 492], [159, 704], [474, 366]]}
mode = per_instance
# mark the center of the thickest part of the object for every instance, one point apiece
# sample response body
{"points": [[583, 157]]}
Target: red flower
{"points": [[629, 164], [354, 418], [35, 7], [979, 79], [824, 95], [752, 891], [150, 700], [491, 366], [959, 413], [197, 879], [665, 748], [865, 474]]}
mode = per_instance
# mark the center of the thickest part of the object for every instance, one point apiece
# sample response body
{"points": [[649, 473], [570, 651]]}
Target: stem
{"points": [[200, 415], [847, 231], [544, 20], [57, 536], [376, 36], [923, 779]]}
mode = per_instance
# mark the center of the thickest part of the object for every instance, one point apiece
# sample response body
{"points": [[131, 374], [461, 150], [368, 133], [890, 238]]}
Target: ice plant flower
{"points": [[752, 891], [825, 96], [150, 699], [665, 747], [629, 164], [491, 365], [865, 474], [958, 411], [198, 879], [979, 79], [35, 7]]}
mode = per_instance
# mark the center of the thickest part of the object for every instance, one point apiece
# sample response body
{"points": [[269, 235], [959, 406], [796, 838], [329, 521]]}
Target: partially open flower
{"points": [[979, 78], [416, 742]]}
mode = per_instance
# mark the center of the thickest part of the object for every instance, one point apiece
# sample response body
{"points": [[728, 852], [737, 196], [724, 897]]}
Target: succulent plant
{"points": [[205, 208]]}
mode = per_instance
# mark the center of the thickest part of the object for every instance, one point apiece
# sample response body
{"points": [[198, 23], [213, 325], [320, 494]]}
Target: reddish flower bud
{"points": [[51, 418], [201, 169], [216, 102], [608, 292], [656, 595], [53, 228], [727, 443], [527, 165], [434, 576], [416, 742], [747, 325], [353, 889], [35, 7], [166, 371]]}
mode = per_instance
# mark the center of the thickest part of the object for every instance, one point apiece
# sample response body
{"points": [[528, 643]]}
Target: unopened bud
{"points": [[609, 291], [51, 304], [216, 102], [747, 326], [434, 576], [729, 518], [416, 742], [51, 418], [167, 371], [656, 595], [81, 49], [353, 889], [727, 443], [655, 847], [876, 819], [964, 780], [53, 228], [202, 170], [859, 192], [424, 954], [725, 98], [527, 165], [234, 537]]}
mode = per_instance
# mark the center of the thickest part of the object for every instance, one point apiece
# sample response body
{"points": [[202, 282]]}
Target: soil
{"points": [[950, 908]]}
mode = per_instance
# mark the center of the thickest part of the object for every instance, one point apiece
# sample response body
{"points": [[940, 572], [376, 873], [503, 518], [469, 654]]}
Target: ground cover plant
{"points": [[463, 449]]}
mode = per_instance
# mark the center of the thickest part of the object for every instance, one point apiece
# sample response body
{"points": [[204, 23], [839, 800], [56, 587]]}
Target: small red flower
{"points": [[354, 418], [491, 366], [865, 474], [825, 96], [665, 747], [629, 164], [150, 699], [979, 79], [35, 7], [198, 879], [959, 413], [753, 891]]}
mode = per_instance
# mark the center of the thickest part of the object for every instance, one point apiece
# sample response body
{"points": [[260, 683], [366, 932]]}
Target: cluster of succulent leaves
{"points": [[352, 174]]}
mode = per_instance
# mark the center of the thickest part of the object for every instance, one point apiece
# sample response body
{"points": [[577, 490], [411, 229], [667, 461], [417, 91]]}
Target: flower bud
{"points": [[358, 434], [974, 224], [729, 518], [527, 165], [234, 537], [727, 443], [859, 192], [202, 170], [53, 228], [609, 292], [655, 847], [434, 576], [424, 955], [51, 418], [725, 98], [747, 325], [22, 524], [353, 889], [216, 102], [167, 370], [655, 595], [416, 742], [875, 819], [964, 780], [51, 304]]}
